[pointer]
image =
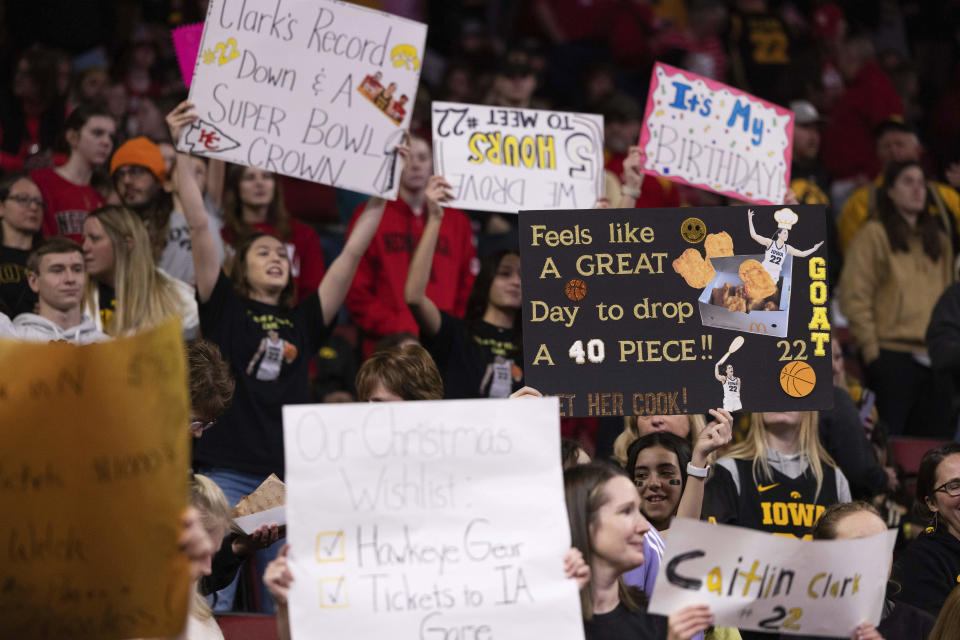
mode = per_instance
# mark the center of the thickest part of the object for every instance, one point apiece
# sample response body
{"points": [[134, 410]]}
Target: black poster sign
{"points": [[666, 311]]}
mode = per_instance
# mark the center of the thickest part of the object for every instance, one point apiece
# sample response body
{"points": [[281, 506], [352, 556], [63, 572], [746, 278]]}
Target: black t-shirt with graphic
{"points": [[107, 301], [14, 290], [484, 362], [269, 350]]}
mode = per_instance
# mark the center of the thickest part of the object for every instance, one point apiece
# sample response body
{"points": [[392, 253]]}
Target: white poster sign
{"points": [[502, 159], [762, 582], [313, 89], [429, 520]]}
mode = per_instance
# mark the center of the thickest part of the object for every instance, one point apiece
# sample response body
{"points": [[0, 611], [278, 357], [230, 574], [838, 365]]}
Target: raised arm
{"points": [[716, 372], [714, 436], [753, 232], [336, 282], [206, 261], [216, 173], [424, 311], [803, 254], [632, 179]]}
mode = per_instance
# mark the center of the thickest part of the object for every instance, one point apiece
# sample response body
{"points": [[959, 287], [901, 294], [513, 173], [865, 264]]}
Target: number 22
{"points": [[780, 613], [227, 50]]}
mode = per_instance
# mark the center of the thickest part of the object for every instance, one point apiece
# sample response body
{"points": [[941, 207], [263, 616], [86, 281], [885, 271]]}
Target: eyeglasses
{"points": [[27, 200], [951, 488]]}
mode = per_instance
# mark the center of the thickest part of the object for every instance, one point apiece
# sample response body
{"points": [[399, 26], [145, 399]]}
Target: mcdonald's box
{"points": [[677, 311], [721, 307]]}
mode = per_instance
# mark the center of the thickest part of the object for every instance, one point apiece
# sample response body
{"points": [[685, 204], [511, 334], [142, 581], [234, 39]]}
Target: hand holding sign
{"points": [[181, 116]]}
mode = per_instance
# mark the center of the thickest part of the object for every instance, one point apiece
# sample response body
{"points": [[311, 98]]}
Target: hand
{"points": [[714, 436], [866, 631], [685, 623], [337, 396], [526, 392], [277, 576], [259, 539], [574, 568], [953, 175], [790, 198], [438, 190], [195, 542], [893, 482], [181, 116], [632, 175], [602, 203], [750, 213]]}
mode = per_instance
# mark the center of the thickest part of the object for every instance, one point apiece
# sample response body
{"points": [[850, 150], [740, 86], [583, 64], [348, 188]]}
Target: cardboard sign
{"points": [[705, 134], [312, 89], [761, 582], [500, 159], [631, 312], [434, 520], [93, 482]]}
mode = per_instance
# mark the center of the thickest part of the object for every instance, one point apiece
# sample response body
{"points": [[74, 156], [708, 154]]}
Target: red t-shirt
{"points": [[67, 204], [376, 301], [654, 192], [303, 248]]}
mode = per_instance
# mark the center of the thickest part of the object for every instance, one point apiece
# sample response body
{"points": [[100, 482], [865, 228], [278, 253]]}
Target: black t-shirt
{"points": [[14, 290], [928, 570], [107, 300], [760, 51], [484, 362], [269, 350], [782, 505], [623, 624]]}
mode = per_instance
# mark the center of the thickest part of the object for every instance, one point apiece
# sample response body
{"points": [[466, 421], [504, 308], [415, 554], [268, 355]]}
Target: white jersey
{"points": [[731, 394], [773, 259], [269, 368], [502, 383]]}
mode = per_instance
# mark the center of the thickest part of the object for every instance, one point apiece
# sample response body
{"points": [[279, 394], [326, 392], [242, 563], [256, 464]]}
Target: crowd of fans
{"points": [[294, 292]]}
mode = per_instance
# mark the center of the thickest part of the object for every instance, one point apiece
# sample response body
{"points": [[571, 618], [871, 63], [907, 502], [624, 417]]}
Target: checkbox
{"points": [[329, 547], [333, 593]]}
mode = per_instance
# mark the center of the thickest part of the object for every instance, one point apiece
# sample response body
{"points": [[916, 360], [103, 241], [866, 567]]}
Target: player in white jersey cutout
{"points": [[777, 247], [731, 387]]}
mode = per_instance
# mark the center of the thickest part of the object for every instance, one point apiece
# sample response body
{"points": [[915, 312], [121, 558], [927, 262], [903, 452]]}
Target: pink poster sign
{"points": [[711, 136], [186, 42]]}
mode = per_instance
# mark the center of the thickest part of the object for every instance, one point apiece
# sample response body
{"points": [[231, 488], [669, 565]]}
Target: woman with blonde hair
{"points": [[779, 479], [126, 292], [215, 517]]}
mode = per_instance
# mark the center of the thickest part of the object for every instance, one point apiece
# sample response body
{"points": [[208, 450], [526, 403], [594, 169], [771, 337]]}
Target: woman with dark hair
{"points": [[479, 356], [896, 267], [21, 216], [930, 565], [31, 110], [266, 338], [608, 528], [253, 203]]}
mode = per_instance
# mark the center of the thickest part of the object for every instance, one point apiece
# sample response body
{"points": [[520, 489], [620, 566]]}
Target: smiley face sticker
{"points": [[693, 230]]}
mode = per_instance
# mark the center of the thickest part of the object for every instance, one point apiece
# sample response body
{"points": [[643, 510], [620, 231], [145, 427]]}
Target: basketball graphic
{"points": [[797, 379], [289, 352], [576, 289]]}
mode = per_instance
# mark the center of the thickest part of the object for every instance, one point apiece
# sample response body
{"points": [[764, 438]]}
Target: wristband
{"points": [[630, 192], [697, 472]]}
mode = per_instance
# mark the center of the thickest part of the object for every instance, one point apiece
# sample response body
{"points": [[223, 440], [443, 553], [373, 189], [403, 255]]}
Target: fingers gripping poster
{"points": [[500, 159], [313, 89], [675, 311], [711, 136], [93, 483], [435, 520], [761, 582]]}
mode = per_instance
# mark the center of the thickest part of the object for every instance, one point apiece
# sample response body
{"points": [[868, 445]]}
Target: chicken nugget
{"points": [[696, 271], [756, 281], [718, 245]]}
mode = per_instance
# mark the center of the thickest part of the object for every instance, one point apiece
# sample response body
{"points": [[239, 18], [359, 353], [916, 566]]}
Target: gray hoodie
{"points": [[30, 326]]}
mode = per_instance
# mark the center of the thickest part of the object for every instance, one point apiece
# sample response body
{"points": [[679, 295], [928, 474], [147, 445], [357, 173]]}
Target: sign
{"points": [[434, 520], [705, 134], [312, 89], [761, 582], [94, 482], [676, 311], [502, 159]]}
